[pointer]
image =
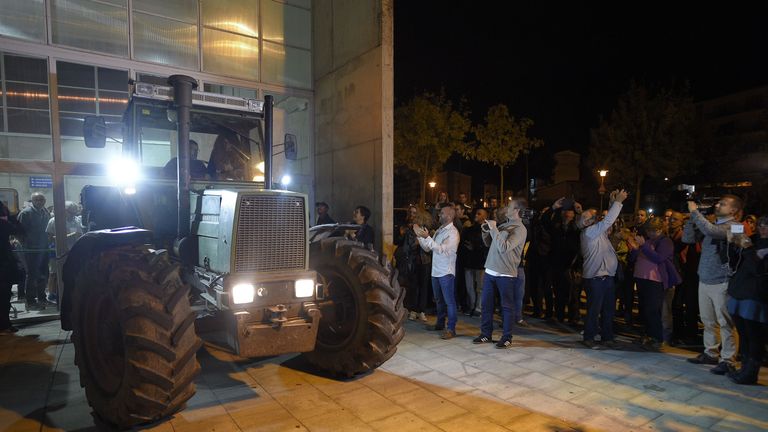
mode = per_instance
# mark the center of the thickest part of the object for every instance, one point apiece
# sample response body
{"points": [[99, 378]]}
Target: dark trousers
{"points": [[5, 304], [687, 302], [752, 338], [506, 286], [601, 304], [445, 299], [566, 295], [416, 292], [650, 295], [36, 264], [461, 288], [626, 293], [539, 279]]}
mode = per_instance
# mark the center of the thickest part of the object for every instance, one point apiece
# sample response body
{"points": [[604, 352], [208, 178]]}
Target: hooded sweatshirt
{"points": [[506, 247]]}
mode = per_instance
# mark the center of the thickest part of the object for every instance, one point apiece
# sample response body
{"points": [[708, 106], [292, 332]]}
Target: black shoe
{"points": [[703, 358], [504, 342], [435, 328], [34, 306], [591, 344], [747, 374], [481, 340], [722, 368]]}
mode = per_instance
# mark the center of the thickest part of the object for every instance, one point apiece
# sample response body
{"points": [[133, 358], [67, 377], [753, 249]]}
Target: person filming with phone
{"points": [[713, 281]]}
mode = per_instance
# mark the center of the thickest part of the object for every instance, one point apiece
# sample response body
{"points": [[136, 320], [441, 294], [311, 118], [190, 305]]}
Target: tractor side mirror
{"points": [[95, 132], [291, 149]]}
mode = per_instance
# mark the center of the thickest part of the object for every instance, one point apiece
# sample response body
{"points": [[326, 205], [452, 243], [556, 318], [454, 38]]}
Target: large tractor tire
{"points": [[362, 312], [134, 336]]}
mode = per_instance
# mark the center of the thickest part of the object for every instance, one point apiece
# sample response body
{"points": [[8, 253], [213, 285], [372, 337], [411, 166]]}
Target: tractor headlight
{"points": [[305, 288], [243, 293]]}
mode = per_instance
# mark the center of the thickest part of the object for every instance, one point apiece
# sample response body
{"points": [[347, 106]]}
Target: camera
{"points": [[527, 214]]}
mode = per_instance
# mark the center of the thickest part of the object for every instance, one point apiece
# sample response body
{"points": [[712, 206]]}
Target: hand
{"points": [[491, 224], [577, 207], [420, 231], [692, 206], [558, 204], [351, 234], [612, 196], [620, 196], [640, 240]]}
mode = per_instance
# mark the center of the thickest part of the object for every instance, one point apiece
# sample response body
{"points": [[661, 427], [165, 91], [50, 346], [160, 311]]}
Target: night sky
{"points": [[563, 65]]}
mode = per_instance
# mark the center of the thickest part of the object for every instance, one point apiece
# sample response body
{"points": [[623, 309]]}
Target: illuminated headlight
{"points": [[305, 288], [124, 173], [243, 293]]}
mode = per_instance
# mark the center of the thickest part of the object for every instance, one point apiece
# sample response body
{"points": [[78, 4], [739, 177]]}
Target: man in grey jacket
{"points": [[600, 264], [713, 281], [506, 248]]}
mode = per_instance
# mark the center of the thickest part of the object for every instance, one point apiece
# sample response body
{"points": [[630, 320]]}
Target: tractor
{"points": [[211, 240]]}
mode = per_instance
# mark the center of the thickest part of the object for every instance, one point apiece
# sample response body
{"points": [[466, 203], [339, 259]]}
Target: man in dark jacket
{"points": [[34, 221], [364, 234], [472, 255], [561, 225], [538, 272], [321, 208]]}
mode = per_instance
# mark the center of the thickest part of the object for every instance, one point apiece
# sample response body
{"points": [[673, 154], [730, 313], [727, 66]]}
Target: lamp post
{"points": [[601, 189], [432, 186]]}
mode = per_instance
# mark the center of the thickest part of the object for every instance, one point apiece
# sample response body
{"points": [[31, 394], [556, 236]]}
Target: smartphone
{"points": [[737, 229]]}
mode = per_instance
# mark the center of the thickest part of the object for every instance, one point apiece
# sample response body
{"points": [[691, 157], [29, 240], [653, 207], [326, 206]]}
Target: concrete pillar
{"points": [[354, 78]]}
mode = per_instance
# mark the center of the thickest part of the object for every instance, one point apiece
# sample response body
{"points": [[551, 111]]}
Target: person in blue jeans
{"points": [[505, 244], [600, 264], [444, 246]]}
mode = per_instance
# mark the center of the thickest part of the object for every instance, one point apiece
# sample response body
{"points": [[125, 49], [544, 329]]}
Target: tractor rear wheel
{"points": [[362, 310], [134, 336]]}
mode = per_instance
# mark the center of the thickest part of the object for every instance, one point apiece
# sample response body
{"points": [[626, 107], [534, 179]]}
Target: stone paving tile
{"points": [[403, 422], [494, 385], [627, 413], [539, 402], [335, 421], [442, 384], [368, 405], [428, 405]]}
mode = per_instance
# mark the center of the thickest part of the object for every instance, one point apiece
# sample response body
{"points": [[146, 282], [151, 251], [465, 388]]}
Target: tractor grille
{"points": [[271, 233]]}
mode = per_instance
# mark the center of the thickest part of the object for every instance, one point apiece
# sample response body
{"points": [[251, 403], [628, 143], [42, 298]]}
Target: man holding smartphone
{"points": [[713, 281]]}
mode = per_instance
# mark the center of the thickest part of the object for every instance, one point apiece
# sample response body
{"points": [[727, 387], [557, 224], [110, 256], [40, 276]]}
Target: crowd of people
{"points": [[663, 275], [27, 257]]}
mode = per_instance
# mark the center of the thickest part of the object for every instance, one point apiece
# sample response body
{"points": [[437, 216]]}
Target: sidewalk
{"points": [[546, 382]]}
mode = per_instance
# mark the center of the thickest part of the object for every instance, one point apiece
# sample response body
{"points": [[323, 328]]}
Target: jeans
{"points": [[667, 320], [650, 294], [601, 304], [445, 300], [507, 290], [714, 313], [473, 279], [517, 313], [37, 275]]}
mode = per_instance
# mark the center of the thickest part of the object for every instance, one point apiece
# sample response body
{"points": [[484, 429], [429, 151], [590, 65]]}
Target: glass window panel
{"points": [[230, 91], [26, 121], [183, 10], [112, 103], [73, 147], [230, 54], [287, 66], [27, 147], [21, 183], [238, 16], [75, 75], [287, 24], [26, 95], [26, 69], [113, 79], [23, 19], [71, 124], [306, 4], [77, 100], [161, 40], [90, 25]]}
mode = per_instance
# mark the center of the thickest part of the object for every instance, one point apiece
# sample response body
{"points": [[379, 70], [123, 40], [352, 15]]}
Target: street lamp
{"points": [[432, 185], [601, 189]]}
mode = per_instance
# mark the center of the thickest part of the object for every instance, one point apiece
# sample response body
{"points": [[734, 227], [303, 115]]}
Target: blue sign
{"points": [[40, 182]]}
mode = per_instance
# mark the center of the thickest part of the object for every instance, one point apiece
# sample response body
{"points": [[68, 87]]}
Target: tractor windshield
{"points": [[224, 145]]}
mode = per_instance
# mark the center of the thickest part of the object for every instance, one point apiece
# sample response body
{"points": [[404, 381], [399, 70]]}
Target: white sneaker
{"points": [[422, 317], [412, 316]]}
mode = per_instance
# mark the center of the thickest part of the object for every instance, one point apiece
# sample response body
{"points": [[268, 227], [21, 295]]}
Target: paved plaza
{"points": [[546, 382]]}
